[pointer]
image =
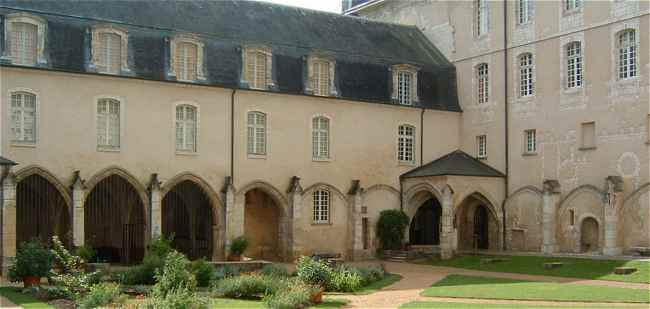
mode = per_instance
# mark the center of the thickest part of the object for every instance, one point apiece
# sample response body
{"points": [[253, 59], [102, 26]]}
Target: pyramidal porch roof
{"points": [[456, 163]]}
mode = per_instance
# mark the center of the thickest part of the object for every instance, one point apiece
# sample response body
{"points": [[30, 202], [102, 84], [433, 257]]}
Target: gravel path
{"points": [[419, 277]]}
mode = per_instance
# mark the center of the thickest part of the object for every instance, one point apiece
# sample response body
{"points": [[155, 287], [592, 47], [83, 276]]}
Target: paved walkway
{"points": [[6, 304], [419, 277]]}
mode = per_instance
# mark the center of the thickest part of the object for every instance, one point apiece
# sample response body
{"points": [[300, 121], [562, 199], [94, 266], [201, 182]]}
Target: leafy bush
{"points": [[71, 275], [238, 245], [101, 295], [32, 259], [345, 280], [56, 292], [226, 271], [153, 261], [390, 228], [247, 286], [203, 271], [313, 272], [161, 246], [296, 294], [275, 270], [86, 253], [178, 298], [175, 285]]}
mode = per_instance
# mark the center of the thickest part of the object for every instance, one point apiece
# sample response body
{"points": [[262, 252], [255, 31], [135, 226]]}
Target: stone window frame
{"points": [[583, 143], [122, 104], [317, 206], [309, 87], [617, 30], [268, 52], [197, 127], [480, 18], [481, 147], [200, 55], [41, 31], [564, 80], [528, 151], [485, 91], [398, 69], [401, 139], [96, 32], [328, 156], [530, 12], [255, 153], [37, 117], [572, 6], [533, 72]]}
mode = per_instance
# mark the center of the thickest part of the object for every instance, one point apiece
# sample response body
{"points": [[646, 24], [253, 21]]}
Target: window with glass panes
{"points": [[482, 74], [256, 69], [186, 61], [404, 81], [186, 128], [256, 133], [523, 11], [109, 53], [531, 141], [320, 138], [321, 206], [23, 43], [481, 146], [572, 4], [526, 83], [574, 65], [406, 143], [481, 19], [23, 117], [321, 77], [627, 49], [108, 123]]}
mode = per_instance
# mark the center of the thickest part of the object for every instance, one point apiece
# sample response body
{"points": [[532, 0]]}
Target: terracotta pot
{"points": [[318, 297], [31, 281], [234, 258]]}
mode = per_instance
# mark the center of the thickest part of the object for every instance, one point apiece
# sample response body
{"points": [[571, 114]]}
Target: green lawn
{"points": [[497, 288], [574, 267], [24, 300], [328, 303], [443, 305]]}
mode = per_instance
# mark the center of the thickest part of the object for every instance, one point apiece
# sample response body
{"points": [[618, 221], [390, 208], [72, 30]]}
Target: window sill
{"points": [[524, 25], [567, 13], [406, 163], [106, 149], [321, 223], [627, 80], [23, 145], [186, 153], [587, 148], [257, 156], [529, 154], [325, 160], [572, 90], [481, 158]]}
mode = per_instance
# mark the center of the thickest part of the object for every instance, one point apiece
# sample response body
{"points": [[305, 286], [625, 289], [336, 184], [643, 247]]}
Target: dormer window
{"points": [[405, 83], [321, 76], [187, 58], [257, 67], [110, 46], [25, 39]]}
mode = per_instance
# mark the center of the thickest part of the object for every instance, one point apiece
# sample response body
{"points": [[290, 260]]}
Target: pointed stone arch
{"points": [[323, 185], [635, 225], [41, 171], [478, 221], [384, 187], [217, 204], [116, 170], [523, 216], [577, 191], [268, 189]]}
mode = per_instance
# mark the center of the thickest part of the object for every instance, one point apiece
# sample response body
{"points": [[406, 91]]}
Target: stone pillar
{"points": [[78, 199], [234, 214], [8, 220], [446, 223], [155, 199], [356, 226], [295, 199], [551, 195], [613, 201]]}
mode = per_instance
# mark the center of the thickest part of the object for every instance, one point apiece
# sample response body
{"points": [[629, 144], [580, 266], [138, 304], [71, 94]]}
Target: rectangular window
{"points": [[588, 135], [627, 60], [109, 53], [482, 75], [574, 65], [108, 124], [570, 5], [256, 69], [256, 133], [406, 144], [321, 78], [481, 146], [526, 84], [481, 20], [531, 141], [186, 61], [321, 206], [404, 80], [320, 138], [23, 117], [186, 128], [23, 43], [523, 11]]}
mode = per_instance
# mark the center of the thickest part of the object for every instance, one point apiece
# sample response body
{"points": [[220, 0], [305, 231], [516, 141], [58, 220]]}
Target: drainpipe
{"points": [[232, 135], [506, 124], [421, 137]]}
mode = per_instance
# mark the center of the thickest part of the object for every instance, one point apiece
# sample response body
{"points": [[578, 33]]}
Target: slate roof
{"points": [[363, 49], [5, 161], [456, 163]]}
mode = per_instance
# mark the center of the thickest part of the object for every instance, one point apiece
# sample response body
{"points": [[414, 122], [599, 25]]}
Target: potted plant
{"points": [[237, 248], [33, 261], [314, 273]]}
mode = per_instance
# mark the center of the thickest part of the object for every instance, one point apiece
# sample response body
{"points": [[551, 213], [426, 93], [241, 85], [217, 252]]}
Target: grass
{"points": [[444, 305], [328, 303], [573, 267], [24, 300], [498, 288]]}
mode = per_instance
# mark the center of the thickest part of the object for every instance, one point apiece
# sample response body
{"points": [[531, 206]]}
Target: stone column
{"points": [[551, 195], [8, 220], [613, 202], [78, 199], [446, 222], [156, 206], [234, 214], [356, 226], [295, 199]]}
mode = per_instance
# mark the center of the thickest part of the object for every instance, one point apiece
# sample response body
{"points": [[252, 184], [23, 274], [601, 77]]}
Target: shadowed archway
{"points": [[478, 224], [425, 225]]}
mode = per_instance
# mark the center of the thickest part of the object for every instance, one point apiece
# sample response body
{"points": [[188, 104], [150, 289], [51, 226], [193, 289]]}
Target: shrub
{"points": [[313, 272], [226, 271], [101, 295], [161, 246], [72, 276], [32, 259], [390, 228], [175, 285], [180, 298], [345, 280], [203, 271], [145, 272], [247, 286], [275, 270], [86, 253], [238, 245], [296, 295], [56, 292]]}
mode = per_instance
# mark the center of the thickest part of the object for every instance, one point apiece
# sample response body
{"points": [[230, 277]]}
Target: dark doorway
{"points": [[425, 226], [187, 214], [481, 228], [114, 221], [41, 211], [262, 226]]}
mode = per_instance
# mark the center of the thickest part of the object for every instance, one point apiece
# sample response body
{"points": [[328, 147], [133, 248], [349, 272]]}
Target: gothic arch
{"points": [[531, 189], [217, 205], [636, 194], [577, 191], [382, 187], [269, 189], [482, 195], [116, 170], [423, 187], [40, 171], [321, 185]]}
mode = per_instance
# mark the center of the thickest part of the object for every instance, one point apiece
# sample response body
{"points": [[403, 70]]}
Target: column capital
{"points": [[294, 186], [154, 183], [77, 182], [551, 186]]}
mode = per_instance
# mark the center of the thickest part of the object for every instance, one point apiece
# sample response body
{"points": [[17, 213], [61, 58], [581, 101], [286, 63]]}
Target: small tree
{"points": [[390, 228], [32, 260]]}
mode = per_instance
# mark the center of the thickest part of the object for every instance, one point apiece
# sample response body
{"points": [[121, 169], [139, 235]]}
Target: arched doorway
{"points": [[481, 228], [262, 216], [589, 235], [477, 223], [41, 211], [187, 214], [114, 221], [425, 225]]}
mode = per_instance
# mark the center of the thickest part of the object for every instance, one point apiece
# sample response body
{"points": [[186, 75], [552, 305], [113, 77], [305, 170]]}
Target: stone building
{"points": [[556, 95]]}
